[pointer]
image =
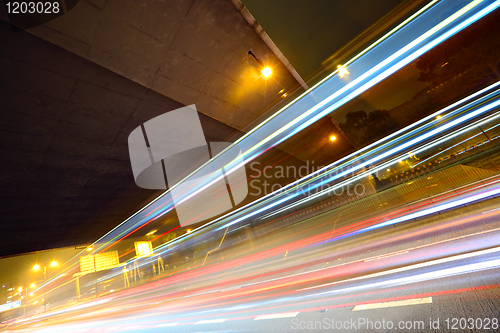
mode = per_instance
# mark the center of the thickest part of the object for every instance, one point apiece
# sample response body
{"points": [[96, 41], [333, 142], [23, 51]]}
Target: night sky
{"points": [[308, 32]]}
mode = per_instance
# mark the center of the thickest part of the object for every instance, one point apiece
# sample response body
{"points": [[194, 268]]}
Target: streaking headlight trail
{"points": [[391, 53]]}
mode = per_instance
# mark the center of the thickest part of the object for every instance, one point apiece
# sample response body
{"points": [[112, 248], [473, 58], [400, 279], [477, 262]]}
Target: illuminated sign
{"points": [[99, 261], [10, 306], [143, 248]]}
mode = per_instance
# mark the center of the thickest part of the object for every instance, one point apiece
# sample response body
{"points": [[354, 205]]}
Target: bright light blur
{"points": [[266, 71], [32, 285], [333, 138], [189, 231], [342, 70], [20, 289], [143, 248], [54, 264], [36, 267], [89, 249], [151, 233]]}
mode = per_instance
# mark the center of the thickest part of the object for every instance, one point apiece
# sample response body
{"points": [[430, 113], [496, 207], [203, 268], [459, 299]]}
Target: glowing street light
{"points": [[152, 232], [37, 268], [342, 70], [266, 71], [333, 138]]}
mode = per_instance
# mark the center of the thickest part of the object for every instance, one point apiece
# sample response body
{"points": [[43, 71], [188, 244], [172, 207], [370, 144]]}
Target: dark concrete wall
{"points": [[65, 172]]}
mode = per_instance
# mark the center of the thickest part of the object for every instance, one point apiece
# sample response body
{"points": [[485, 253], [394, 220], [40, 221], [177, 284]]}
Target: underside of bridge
{"points": [[74, 88]]}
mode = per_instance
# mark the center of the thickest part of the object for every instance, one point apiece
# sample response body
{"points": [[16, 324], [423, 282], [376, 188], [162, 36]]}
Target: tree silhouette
{"points": [[469, 60], [364, 128]]}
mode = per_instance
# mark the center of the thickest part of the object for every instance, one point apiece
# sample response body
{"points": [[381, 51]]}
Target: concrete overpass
{"points": [[74, 88]]}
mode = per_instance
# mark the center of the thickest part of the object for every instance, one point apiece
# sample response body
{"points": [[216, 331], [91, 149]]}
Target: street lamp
{"points": [[151, 233], [266, 71], [333, 138], [37, 268], [90, 249], [28, 294]]}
